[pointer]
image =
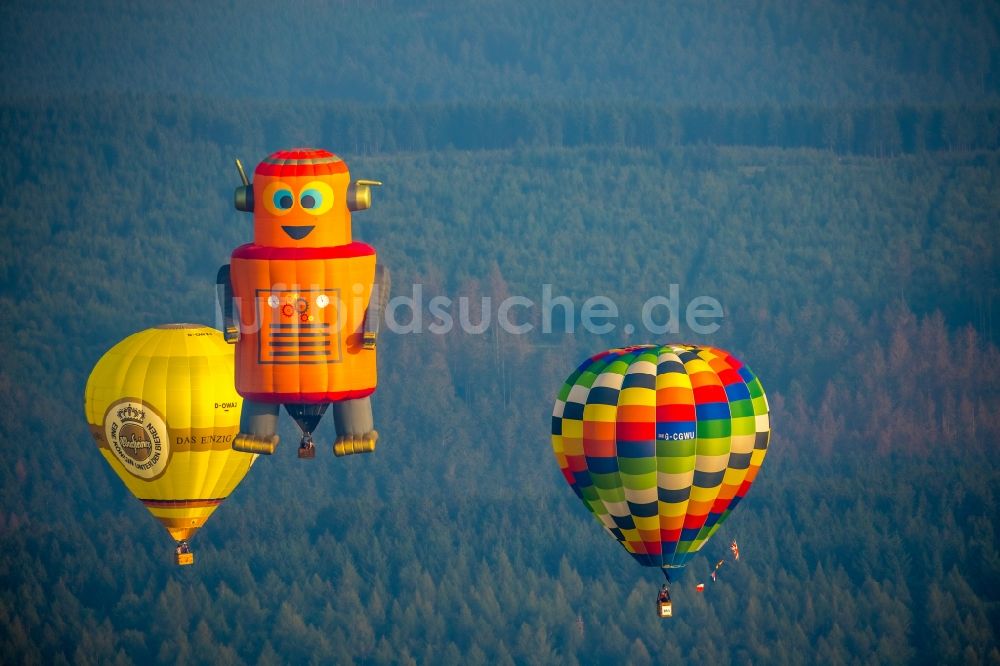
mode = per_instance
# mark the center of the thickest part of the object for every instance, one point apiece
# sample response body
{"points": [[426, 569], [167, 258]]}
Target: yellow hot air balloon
{"points": [[163, 410]]}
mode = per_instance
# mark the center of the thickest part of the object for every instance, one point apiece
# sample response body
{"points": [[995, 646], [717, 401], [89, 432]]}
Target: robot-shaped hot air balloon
{"points": [[303, 303]]}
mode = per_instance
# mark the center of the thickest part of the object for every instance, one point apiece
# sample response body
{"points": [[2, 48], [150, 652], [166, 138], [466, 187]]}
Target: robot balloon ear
{"points": [[359, 194], [243, 198]]}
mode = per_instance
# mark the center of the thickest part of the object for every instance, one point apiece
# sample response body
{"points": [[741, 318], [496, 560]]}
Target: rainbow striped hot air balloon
{"points": [[661, 443], [163, 410]]}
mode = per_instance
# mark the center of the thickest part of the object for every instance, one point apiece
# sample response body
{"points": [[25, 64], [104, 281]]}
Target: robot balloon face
{"points": [[300, 200], [305, 211]]}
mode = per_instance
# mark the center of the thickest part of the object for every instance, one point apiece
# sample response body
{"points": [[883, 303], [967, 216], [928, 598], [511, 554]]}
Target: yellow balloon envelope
{"points": [[163, 410]]}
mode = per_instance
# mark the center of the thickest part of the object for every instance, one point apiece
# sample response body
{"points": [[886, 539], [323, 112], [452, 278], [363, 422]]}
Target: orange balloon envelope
{"points": [[303, 303]]}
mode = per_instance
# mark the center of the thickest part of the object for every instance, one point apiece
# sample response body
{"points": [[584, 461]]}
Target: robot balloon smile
{"points": [[298, 232]]}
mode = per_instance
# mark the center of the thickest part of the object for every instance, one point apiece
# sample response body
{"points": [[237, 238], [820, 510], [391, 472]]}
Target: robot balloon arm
{"points": [[359, 194], [224, 296], [376, 306]]}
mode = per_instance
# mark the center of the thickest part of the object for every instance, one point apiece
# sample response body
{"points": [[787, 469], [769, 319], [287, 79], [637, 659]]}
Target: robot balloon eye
{"points": [[311, 198], [277, 198], [316, 197], [283, 199]]}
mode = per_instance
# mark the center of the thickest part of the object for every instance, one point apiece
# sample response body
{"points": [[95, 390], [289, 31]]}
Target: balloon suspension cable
{"points": [[666, 575]]}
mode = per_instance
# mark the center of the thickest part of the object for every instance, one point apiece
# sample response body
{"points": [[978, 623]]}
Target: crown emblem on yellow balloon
{"points": [[130, 414]]}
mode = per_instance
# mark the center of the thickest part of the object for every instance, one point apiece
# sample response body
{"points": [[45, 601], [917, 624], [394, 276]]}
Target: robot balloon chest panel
{"points": [[300, 326]]}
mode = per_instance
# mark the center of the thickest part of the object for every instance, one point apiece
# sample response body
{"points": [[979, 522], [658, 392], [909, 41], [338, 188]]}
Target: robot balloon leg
{"points": [[258, 428], [355, 427]]}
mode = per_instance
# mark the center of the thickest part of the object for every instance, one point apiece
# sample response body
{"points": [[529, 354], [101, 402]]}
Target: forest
{"points": [[828, 52], [846, 221]]}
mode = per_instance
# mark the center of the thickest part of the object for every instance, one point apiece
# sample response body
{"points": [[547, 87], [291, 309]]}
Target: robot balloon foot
{"points": [[347, 445], [307, 448], [255, 443]]}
